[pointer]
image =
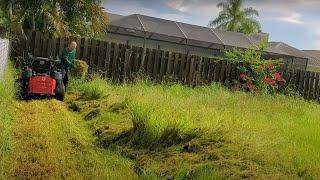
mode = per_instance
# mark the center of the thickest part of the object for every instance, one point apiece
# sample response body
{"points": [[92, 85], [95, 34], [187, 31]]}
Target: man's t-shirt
{"points": [[67, 58]]}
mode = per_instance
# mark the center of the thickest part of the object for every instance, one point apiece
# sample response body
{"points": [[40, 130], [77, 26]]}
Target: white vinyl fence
{"points": [[4, 52]]}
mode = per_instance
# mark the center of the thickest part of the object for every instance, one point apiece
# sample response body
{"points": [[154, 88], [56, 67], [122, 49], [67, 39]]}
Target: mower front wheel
{"points": [[60, 92]]}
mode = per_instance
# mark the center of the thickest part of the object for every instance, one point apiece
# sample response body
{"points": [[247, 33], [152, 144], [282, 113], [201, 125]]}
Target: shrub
{"points": [[256, 73], [80, 69]]}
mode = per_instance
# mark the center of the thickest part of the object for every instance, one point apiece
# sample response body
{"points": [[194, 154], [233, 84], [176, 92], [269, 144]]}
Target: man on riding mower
{"points": [[67, 60]]}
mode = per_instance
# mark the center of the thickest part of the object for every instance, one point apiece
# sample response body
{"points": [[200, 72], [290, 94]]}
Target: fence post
{"points": [[4, 50]]}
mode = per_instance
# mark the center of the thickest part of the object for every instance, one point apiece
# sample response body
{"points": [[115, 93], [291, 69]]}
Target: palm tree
{"points": [[85, 17], [233, 17]]}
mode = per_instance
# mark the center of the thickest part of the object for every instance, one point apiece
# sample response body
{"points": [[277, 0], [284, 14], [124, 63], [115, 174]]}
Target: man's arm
{"points": [[71, 57]]}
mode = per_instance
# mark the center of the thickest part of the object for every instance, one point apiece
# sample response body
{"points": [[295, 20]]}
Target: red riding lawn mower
{"points": [[41, 78]]}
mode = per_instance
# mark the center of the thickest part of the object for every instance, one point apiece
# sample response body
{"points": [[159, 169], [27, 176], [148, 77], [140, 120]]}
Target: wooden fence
{"points": [[121, 62]]}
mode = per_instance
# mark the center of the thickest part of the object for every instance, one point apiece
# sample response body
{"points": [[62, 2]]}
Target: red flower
{"points": [[270, 67], [269, 81], [278, 77], [249, 86], [265, 79], [273, 82], [242, 76]]}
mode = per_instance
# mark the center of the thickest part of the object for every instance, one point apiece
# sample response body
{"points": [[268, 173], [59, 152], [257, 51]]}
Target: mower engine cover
{"points": [[43, 85]]}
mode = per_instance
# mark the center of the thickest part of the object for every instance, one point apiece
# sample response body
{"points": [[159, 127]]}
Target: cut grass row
{"points": [[7, 92], [51, 142], [43, 140]]}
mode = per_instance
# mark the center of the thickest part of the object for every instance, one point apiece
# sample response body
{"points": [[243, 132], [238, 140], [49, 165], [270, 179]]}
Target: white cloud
{"points": [[134, 7], [314, 28], [316, 44], [207, 8], [127, 8], [294, 18]]}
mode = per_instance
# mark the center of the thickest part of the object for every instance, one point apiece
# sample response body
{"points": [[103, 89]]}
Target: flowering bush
{"points": [[256, 73]]}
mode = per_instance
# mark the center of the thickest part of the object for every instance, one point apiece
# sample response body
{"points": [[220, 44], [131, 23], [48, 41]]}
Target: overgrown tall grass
{"points": [[278, 134], [7, 93]]}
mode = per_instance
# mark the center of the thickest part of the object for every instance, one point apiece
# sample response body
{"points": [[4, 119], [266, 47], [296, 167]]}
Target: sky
{"points": [[295, 22]]}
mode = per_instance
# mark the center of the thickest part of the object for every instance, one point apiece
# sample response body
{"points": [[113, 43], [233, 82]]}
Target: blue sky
{"points": [[295, 22]]}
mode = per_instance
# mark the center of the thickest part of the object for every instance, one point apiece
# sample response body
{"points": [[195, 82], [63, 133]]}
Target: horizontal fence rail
{"points": [[121, 62]]}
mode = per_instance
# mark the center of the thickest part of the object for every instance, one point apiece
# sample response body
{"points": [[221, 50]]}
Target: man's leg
{"points": [[66, 78]]}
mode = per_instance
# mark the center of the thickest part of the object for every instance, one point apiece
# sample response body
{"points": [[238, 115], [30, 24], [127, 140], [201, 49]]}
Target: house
{"points": [[314, 60], [157, 33]]}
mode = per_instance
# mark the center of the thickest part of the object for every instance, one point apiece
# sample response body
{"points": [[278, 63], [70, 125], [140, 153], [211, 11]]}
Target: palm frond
{"points": [[250, 12], [223, 5], [16, 25], [249, 26], [223, 26], [54, 19], [223, 17]]}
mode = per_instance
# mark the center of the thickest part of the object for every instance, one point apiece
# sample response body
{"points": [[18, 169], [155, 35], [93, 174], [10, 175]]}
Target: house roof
{"points": [[285, 49], [314, 57], [172, 31]]}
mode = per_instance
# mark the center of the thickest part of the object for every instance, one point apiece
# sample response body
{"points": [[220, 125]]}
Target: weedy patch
{"points": [[168, 140]]}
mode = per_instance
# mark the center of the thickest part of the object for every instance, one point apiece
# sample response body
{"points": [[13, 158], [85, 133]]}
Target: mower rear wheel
{"points": [[22, 93], [60, 92]]}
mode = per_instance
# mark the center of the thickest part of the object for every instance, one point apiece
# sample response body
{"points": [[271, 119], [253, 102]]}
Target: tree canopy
{"points": [[234, 17], [60, 17]]}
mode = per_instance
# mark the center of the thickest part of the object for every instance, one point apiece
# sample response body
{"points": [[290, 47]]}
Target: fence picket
{"points": [[190, 79], [301, 82], [163, 64], [170, 64], [217, 69], [307, 83], [317, 88], [115, 61], [127, 63], [156, 65], [222, 72]]}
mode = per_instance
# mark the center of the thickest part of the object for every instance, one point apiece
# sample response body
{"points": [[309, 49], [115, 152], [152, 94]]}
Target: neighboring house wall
{"points": [[163, 45], [314, 62], [4, 51], [292, 62]]}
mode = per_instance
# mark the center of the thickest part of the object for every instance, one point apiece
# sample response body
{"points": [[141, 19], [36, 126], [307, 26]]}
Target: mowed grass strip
{"points": [[51, 142], [7, 100], [43, 140]]}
